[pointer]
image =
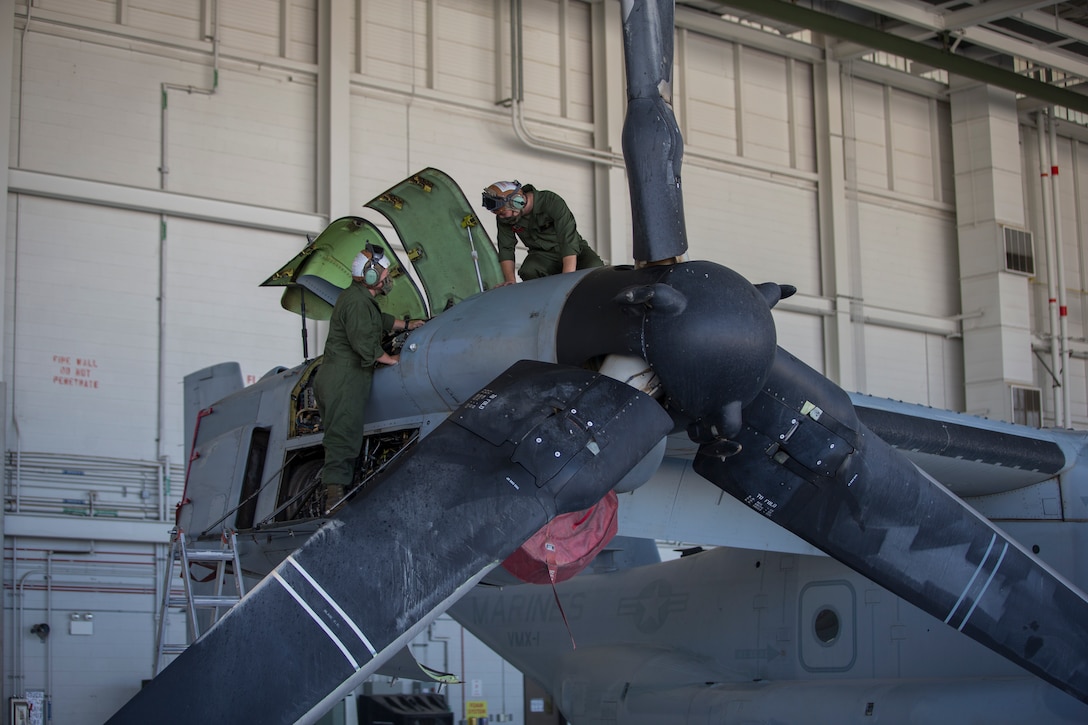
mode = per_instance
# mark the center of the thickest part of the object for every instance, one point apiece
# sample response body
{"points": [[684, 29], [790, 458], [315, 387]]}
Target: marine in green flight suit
{"points": [[353, 348], [544, 223]]}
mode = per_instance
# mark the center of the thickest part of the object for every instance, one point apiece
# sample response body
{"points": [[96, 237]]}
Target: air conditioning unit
{"points": [[1027, 406], [1019, 250]]}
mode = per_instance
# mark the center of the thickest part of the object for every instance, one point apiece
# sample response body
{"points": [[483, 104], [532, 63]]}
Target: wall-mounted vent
{"points": [[1019, 251], [1027, 406]]}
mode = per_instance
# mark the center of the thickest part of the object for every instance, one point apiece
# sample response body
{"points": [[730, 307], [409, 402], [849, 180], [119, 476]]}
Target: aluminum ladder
{"points": [[184, 552]]}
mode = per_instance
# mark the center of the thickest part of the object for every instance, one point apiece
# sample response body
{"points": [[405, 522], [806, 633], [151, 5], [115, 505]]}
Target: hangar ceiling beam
{"points": [[935, 57]]}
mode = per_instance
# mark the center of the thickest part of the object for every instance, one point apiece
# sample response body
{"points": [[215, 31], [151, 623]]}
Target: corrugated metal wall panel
{"points": [[804, 117], [101, 10], [389, 40], [253, 141], [93, 111], [765, 107], [945, 171], [217, 312], [85, 330], [709, 95], [302, 37], [465, 50], [866, 122], [579, 62], [897, 364], [116, 583], [170, 17], [765, 230], [379, 147], [907, 365], [87, 327], [540, 45], [802, 336], [912, 145], [251, 25], [909, 259]]}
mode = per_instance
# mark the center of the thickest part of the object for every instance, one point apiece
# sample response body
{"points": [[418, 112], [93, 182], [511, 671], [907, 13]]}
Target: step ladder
{"points": [[183, 553]]}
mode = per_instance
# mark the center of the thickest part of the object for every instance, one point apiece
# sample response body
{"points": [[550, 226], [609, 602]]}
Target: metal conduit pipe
{"points": [[19, 655], [517, 102], [49, 639], [1059, 258], [164, 170], [1051, 271], [601, 156]]}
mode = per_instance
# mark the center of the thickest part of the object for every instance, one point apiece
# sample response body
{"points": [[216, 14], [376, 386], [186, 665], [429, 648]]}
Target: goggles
{"points": [[494, 203], [503, 194]]}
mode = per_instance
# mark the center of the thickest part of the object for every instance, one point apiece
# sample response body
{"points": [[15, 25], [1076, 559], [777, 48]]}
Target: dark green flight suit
{"points": [[549, 232], [342, 384]]}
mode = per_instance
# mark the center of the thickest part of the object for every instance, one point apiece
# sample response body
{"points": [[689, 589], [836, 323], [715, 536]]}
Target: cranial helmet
{"points": [[502, 194]]}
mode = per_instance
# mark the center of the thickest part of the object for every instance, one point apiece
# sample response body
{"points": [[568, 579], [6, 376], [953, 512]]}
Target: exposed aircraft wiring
{"points": [[308, 489]]}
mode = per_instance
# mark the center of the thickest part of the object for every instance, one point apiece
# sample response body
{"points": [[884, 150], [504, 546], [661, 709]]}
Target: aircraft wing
{"points": [[971, 456], [539, 441]]}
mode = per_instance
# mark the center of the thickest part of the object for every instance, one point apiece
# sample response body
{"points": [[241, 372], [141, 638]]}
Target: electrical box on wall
{"points": [[81, 623]]}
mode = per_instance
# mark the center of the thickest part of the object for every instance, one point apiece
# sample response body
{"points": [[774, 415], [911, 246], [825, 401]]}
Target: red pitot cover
{"points": [[566, 545]]}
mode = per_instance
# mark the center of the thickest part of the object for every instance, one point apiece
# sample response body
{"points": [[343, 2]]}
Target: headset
{"points": [[372, 271]]}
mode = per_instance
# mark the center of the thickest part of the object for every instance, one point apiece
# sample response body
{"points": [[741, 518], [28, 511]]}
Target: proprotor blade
{"points": [[653, 148], [809, 464], [539, 441]]}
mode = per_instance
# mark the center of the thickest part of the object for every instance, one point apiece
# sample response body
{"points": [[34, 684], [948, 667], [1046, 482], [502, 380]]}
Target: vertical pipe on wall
{"points": [[1051, 272], [1059, 258], [163, 457], [517, 103], [49, 637], [164, 169]]}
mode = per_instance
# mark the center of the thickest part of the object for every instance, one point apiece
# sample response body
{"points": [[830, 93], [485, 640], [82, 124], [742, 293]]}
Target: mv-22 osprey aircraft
{"points": [[519, 409]]}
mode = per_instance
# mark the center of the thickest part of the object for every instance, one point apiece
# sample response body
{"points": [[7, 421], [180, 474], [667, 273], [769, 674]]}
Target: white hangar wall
{"points": [[156, 177]]}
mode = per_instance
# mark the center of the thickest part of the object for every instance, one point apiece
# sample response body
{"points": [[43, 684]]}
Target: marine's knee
{"points": [[587, 259], [537, 266]]}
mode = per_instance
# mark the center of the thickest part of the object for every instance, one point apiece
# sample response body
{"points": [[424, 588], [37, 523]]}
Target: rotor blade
{"points": [[653, 149], [809, 464], [539, 441]]}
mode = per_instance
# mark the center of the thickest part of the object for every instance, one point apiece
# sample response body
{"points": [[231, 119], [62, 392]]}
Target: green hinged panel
{"points": [[440, 231], [317, 274]]}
